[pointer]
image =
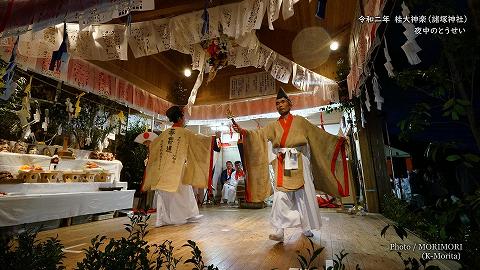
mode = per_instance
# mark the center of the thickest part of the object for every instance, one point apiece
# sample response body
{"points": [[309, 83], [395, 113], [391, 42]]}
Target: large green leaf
{"points": [[448, 104], [453, 158]]}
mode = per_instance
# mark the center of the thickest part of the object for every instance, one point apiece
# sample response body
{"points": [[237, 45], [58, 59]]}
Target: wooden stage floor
{"points": [[233, 238]]}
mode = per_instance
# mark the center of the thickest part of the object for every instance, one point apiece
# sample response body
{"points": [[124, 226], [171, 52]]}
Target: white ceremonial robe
{"points": [[177, 163], [229, 191], [176, 207], [297, 208], [304, 159]]}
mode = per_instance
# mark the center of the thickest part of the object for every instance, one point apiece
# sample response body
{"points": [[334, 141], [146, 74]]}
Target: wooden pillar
{"points": [[372, 152]]}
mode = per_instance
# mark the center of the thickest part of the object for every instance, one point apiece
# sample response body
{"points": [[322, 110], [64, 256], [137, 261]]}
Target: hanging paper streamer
{"points": [[7, 77], [24, 115], [121, 117], [45, 122], [206, 19], [108, 42], [69, 108], [88, 140], [321, 7], [200, 67], [376, 91], [60, 56], [364, 121], [77, 105], [58, 91], [410, 47], [28, 88], [367, 100], [37, 116], [388, 65]]}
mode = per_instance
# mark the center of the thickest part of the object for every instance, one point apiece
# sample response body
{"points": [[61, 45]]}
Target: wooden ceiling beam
{"points": [[167, 64], [131, 77]]}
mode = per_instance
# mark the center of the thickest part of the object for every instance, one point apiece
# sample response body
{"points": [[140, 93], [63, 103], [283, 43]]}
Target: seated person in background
{"points": [[230, 187], [224, 177]]}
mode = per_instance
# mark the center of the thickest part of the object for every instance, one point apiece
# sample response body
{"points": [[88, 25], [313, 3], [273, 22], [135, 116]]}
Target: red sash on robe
{"points": [[340, 148], [238, 174], [286, 124]]}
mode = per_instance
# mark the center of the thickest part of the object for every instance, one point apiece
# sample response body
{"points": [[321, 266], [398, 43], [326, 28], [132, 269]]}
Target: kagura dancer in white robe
{"points": [[304, 157], [178, 162]]}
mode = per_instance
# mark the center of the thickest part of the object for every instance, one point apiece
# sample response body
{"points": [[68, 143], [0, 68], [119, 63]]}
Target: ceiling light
{"points": [[187, 72], [334, 45]]}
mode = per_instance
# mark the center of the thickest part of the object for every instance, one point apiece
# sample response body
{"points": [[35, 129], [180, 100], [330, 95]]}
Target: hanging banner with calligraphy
{"points": [[105, 84], [139, 98], [81, 44], [281, 69], [112, 40], [142, 39], [125, 91], [252, 85], [80, 75], [17, 17]]}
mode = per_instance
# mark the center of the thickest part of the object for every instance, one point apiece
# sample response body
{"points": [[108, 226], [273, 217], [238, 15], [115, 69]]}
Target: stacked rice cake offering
{"points": [[31, 174], [5, 176]]}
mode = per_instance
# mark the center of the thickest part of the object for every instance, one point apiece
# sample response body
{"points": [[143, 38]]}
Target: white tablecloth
{"points": [[15, 210], [11, 162], [51, 188]]}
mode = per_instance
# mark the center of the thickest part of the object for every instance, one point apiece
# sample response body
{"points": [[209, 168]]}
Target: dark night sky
{"points": [[398, 101]]}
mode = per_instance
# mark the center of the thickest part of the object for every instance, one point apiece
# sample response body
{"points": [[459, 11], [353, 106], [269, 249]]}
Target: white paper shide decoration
{"points": [[410, 47]]}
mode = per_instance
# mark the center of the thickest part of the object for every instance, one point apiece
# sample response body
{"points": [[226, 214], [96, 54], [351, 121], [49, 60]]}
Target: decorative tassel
{"points": [[231, 131], [376, 91], [321, 7], [7, 78], [206, 19], [60, 56], [128, 23]]}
